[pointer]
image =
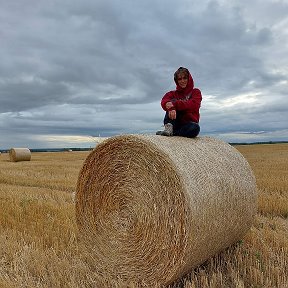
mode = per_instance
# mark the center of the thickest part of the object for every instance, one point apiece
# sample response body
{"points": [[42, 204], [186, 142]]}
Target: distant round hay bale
{"points": [[151, 208], [19, 154]]}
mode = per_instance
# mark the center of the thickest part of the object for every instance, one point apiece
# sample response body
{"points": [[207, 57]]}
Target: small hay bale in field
{"points": [[151, 208], [19, 154]]}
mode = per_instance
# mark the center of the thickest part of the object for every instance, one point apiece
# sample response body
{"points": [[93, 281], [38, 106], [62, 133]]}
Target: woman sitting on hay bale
{"points": [[182, 107]]}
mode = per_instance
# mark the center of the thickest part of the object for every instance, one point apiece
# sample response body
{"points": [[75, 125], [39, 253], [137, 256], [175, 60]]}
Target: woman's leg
{"points": [[168, 120], [189, 130]]}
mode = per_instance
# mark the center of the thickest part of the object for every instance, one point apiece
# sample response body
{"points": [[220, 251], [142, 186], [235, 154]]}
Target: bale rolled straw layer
{"points": [[19, 154], [151, 208]]}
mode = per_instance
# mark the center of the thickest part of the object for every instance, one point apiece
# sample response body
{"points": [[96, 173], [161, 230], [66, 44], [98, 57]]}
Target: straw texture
{"points": [[151, 208], [19, 154]]}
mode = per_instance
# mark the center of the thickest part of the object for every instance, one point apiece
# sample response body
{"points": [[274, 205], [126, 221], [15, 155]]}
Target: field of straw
{"points": [[39, 244]]}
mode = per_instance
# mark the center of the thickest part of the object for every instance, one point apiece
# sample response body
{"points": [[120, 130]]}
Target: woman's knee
{"points": [[192, 129]]}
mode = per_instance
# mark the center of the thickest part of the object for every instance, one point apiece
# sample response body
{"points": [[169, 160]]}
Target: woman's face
{"points": [[182, 80]]}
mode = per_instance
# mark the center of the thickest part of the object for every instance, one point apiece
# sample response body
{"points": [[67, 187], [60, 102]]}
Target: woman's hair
{"points": [[181, 70]]}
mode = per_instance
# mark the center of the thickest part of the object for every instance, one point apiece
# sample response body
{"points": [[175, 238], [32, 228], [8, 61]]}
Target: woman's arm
{"points": [[192, 104], [167, 101]]}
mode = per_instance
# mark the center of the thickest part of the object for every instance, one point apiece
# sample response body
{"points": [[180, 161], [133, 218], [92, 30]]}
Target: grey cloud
{"points": [[29, 94], [82, 66]]}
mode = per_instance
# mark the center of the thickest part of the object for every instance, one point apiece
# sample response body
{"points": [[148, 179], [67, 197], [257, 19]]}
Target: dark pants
{"points": [[190, 129]]}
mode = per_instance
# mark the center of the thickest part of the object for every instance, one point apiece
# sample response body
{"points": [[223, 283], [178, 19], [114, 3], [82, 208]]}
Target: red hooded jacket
{"points": [[187, 101]]}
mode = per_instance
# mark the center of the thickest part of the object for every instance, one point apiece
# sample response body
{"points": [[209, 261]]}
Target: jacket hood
{"points": [[190, 84]]}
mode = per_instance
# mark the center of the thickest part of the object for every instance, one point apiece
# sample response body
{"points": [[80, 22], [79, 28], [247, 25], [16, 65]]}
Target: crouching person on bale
{"points": [[182, 107]]}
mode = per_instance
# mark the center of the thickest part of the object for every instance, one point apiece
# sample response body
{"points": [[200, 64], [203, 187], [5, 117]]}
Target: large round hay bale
{"points": [[19, 154], [151, 208]]}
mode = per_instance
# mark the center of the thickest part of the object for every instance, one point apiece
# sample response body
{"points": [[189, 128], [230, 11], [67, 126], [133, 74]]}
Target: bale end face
{"points": [[130, 211]]}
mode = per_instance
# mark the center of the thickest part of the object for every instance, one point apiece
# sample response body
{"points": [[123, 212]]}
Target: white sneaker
{"points": [[168, 130]]}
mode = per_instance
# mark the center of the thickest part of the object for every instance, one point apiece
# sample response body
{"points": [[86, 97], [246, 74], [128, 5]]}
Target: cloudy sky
{"points": [[73, 70]]}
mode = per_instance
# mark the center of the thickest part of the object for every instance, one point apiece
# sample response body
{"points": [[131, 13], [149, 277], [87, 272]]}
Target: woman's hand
{"points": [[169, 105], [172, 114]]}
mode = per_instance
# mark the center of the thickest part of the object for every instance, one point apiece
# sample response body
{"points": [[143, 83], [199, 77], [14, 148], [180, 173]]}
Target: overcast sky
{"points": [[71, 70]]}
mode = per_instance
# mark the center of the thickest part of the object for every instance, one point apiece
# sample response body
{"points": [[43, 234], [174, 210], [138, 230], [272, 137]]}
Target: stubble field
{"points": [[39, 244]]}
